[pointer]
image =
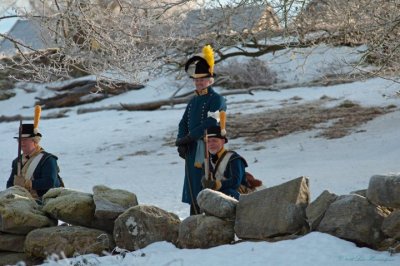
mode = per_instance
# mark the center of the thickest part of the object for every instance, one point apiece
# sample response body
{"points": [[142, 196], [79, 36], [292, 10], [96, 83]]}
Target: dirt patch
{"points": [[335, 122]]}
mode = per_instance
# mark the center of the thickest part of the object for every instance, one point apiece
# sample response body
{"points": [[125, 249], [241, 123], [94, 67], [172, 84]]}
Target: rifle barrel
{"points": [[206, 156], [19, 160]]}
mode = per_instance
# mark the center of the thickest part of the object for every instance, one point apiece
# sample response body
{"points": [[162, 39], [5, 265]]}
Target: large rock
{"points": [[142, 225], [68, 240], [19, 212], [203, 231], [384, 190], [391, 225], [11, 242], [217, 204], [316, 210], [109, 204], [70, 206], [354, 218], [273, 211], [15, 190]]}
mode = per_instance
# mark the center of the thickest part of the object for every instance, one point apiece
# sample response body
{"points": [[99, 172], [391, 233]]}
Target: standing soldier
{"points": [[195, 121], [35, 170]]}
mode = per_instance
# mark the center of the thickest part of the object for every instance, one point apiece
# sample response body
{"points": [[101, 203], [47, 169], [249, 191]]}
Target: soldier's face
{"points": [[202, 83], [27, 145], [215, 145]]}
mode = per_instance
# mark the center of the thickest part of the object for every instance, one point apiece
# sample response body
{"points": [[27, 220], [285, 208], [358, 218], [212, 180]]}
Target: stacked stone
{"points": [[268, 214], [29, 232], [368, 217], [97, 223]]}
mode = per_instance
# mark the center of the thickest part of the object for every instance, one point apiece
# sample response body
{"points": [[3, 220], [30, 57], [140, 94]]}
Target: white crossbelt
{"points": [[32, 166], [219, 173]]}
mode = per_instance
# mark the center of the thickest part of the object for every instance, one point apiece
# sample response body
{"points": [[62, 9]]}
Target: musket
{"points": [[19, 158], [206, 158]]}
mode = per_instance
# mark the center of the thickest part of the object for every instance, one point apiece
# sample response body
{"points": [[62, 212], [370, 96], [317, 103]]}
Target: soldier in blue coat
{"points": [[195, 121], [227, 167], [36, 170]]}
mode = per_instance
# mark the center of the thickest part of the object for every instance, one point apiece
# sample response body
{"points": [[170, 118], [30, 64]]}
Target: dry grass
{"points": [[333, 122]]}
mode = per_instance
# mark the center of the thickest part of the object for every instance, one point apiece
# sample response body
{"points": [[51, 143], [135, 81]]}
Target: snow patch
{"points": [[132, 226]]}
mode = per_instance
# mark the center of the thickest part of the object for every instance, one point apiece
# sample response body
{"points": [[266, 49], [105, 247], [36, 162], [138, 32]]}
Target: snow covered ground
{"points": [[134, 151]]}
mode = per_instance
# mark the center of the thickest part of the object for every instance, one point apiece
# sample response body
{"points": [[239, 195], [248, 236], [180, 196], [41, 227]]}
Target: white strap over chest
{"points": [[32, 166], [219, 173]]}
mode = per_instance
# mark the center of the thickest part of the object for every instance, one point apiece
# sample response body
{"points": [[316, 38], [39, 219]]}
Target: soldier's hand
{"points": [[211, 183], [19, 181], [182, 150], [28, 184], [184, 141]]}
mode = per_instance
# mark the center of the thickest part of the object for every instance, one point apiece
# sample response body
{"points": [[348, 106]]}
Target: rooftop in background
{"points": [[27, 32], [240, 19], [6, 25]]}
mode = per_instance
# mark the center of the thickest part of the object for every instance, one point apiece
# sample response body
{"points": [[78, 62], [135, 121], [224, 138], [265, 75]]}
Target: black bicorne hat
{"points": [[204, 64], [215, 132], [28, 131]]}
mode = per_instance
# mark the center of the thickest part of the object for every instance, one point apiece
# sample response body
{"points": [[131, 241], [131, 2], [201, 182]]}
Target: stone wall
{"points": [[71, 222]]}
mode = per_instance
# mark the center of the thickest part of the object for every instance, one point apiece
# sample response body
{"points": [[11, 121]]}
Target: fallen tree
{"points": [[84, 91], [60, 114], [154, 105]]}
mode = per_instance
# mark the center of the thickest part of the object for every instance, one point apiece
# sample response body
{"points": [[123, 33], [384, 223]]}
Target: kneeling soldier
{"points": [[227, 168], [36, 170]]}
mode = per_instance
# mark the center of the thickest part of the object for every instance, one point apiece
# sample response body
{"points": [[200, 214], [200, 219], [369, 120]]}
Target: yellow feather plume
{"points": [[36, 117], [222, 117], [208, 55]]}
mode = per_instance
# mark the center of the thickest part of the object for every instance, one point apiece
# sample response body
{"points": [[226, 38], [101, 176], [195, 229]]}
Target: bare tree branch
{"points": [[131, 40]]}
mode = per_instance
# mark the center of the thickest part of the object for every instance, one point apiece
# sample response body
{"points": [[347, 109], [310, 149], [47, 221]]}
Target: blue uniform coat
{"points": [[234, 173], [194, 122], [44, 177]]}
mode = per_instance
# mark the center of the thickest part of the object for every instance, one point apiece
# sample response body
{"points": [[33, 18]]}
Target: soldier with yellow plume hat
{"points": [[195, 121], [34, 168]]}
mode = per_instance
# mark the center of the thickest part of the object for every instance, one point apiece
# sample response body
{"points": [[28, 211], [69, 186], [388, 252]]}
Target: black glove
{"points": [[211, 183], [184, 141], [182, 150]]}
